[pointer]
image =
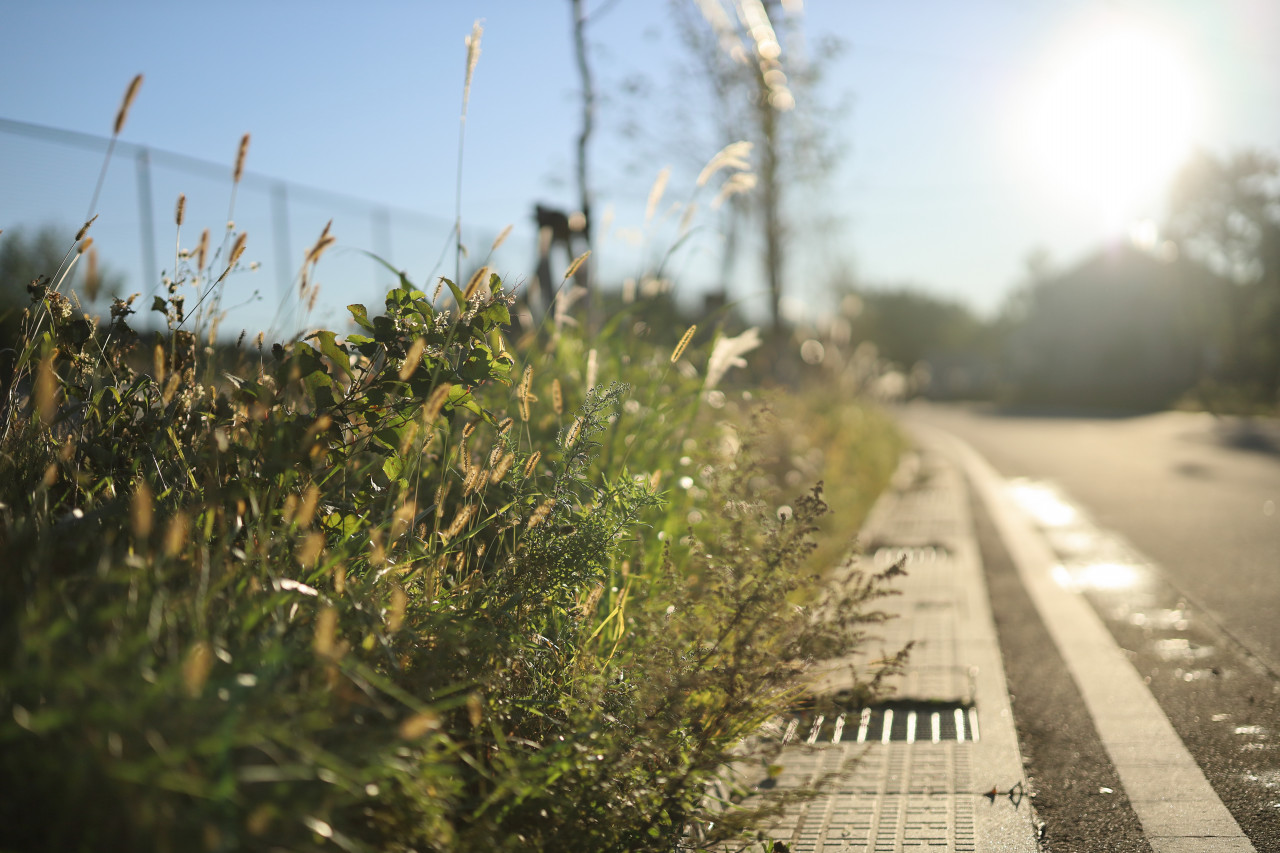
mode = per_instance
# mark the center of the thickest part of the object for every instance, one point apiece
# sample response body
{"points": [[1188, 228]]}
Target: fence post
{"points": [[280, 226], [146, 222]]}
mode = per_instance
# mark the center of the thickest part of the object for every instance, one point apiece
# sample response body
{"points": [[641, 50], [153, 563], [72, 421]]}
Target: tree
{"points": [[1226, 213], [25, 257], [748, 55]]}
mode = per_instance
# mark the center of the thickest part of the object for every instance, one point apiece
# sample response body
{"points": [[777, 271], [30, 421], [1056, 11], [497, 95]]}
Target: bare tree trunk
{"points": [[771, 205], [584, 139]]}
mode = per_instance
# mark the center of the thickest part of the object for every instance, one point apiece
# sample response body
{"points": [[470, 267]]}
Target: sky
{"points": [[975, 132]]}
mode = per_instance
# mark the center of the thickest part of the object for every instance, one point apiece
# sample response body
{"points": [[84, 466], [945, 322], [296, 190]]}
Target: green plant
{"points": [[368, 590]]}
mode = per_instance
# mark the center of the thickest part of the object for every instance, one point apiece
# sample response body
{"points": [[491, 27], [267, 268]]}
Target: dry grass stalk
{"points": [[396, 608], [540, 514], [500, 239], [237, 249], [84, 229], [573, 433], [92, 278], [655, 193], [202, 250], [123, 113], [196, 668], [412, 359], [434, 404], [577, 263], [47, 391], [307, 509], [473, 57], [526, 380], [684, 342], [502, 467], [140, 511], [175, 535], [477, 278], [158, 363], [240, 157], [326, 629], [732, 156], [460, 520]]}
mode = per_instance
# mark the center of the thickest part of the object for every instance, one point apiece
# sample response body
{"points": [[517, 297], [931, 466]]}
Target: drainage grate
{"points": [[902, 722]]}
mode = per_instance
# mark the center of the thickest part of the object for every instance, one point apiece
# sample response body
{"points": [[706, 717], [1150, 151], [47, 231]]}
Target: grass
{"points": [[409, 586]]}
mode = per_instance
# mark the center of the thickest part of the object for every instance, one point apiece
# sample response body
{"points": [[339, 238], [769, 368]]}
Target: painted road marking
{"points": [[1179, 810]]}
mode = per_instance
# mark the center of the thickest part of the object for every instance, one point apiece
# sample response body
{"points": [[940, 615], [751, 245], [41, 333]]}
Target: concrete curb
{"points": [[920, 790]]}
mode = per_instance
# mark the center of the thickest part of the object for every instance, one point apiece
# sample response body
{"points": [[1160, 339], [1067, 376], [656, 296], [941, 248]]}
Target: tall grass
{"points": [[412, 587]]}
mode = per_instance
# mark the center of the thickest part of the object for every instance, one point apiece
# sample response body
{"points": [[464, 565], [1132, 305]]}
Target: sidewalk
{"points": [[937, 767]]}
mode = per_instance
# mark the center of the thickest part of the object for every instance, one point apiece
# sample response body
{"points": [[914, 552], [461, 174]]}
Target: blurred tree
{"points": [[1226, 212], [749, 54], [25, 257]]}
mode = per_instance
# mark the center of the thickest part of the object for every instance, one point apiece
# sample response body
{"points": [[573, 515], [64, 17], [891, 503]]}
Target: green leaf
{"points": [[158, 304], [361, 315], [457, 294], [333, 351], [460, 398]]}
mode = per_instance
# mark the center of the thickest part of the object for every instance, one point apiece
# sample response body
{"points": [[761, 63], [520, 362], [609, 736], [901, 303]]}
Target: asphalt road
{"points": [[1198, 494]]}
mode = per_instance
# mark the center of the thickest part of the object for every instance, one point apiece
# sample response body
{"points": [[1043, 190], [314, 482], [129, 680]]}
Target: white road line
{"points": [[1179, 810]]}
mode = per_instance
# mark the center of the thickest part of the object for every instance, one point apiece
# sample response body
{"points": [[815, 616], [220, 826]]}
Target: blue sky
{"points": [[364, 99]]}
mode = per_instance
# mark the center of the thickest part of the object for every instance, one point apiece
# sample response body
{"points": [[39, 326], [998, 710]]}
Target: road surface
{"points": [[1198, 494]]}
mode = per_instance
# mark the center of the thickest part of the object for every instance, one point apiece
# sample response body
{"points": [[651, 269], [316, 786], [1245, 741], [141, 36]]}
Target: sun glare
{"points": [[1110, 119]]}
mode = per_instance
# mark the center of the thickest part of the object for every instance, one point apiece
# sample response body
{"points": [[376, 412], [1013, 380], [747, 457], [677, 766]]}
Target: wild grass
{"points": [[413, 586]]}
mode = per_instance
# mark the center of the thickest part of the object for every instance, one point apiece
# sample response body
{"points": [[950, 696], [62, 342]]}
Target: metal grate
{"points": [[901, 722]]}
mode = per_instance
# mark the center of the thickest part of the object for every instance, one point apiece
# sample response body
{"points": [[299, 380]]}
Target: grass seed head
{"points": [[140, 511], [655, 193], [202, 251], [501, 468], [557, 397], [684, 342], [574, 431], [240, 157], [413, 358], [477, 278], [123, 113], [473, 57], [540, 514], [47, 391], [180, 212], [92, 278], [196, 668], [500, 239], [577, 262], [531, 464], [84, 229]]}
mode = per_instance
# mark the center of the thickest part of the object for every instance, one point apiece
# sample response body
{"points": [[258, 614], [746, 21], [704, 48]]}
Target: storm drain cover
{"points": [[902, 722]]}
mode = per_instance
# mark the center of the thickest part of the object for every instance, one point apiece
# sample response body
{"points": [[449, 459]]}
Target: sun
{"points": [[1110, 119]]}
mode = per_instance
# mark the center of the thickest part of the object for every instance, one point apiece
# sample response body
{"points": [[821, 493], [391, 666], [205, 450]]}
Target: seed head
{"points": [[84, 229], [129, 95], [500, 239], [181, 211], [532, 463], [684, 342], [240, 155], [574, 431]]}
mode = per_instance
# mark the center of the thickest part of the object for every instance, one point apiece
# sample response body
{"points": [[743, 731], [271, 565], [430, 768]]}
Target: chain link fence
{"points": [[47, 176]]}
